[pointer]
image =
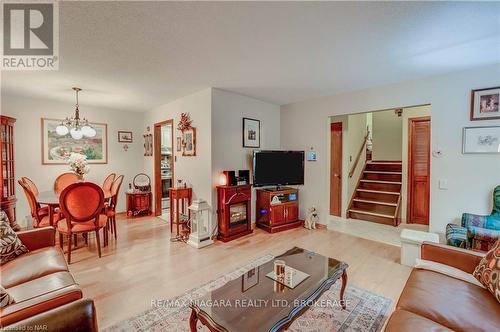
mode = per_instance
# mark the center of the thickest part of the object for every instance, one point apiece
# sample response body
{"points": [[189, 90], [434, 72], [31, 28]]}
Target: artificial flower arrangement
{"points": [[78, 164]]}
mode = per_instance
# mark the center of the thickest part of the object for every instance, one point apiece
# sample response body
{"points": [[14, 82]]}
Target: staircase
{"points": [[378, 193]]}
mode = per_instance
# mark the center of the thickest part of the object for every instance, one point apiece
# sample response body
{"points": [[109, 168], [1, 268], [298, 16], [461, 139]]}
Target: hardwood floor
{"points": [[144, 265]]}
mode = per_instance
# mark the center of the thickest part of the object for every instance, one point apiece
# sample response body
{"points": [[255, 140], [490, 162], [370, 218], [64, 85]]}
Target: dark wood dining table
{"points": [[51, 199]]}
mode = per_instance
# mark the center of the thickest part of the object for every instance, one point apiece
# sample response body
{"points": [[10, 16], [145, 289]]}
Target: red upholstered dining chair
{"points": [[111, 209], [81, 204], [64, 180], [108, 182], [39, 214], [31, 185]]}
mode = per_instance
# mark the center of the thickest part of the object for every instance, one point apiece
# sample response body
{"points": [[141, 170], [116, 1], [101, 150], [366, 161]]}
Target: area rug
{"points": [[365, 311]]}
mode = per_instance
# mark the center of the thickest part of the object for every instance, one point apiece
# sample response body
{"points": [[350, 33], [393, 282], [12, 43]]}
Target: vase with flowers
{"points": [[78, 164]]}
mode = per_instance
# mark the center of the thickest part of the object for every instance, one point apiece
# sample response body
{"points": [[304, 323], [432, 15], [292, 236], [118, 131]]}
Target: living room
{"points": [[240, 94]]}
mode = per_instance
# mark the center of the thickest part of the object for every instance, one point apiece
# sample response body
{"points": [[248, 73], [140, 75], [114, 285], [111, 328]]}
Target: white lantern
{"points": [[201, 229]]}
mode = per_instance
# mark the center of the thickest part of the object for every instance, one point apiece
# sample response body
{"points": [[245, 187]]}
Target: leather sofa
{"points": [[432, 301], [38, 280], [77, 316]]}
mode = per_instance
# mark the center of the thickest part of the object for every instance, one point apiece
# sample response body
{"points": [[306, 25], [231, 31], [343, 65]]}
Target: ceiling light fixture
{"points": [[76, 127]]}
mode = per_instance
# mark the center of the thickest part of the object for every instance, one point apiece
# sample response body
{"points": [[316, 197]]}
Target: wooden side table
{"points": [[182, 196], [139, 203]]}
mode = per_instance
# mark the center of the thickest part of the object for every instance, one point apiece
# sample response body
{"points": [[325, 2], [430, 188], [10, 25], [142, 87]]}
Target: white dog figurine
{"points": [[311, 219]]}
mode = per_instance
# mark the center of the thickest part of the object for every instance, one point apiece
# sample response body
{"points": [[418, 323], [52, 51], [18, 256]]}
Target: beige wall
{"points": [[386, 136], [471, 178], [228, 153], [27, 143], [355, 137], [195, 171]]}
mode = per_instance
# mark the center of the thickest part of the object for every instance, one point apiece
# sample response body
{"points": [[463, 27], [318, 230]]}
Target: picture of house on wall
{"points": [[484, 104], [251, 133]]}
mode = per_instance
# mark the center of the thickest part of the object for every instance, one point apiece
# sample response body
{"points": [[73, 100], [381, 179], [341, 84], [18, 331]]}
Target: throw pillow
{"points": [[488, 271], [5, 298], [10, 245]]}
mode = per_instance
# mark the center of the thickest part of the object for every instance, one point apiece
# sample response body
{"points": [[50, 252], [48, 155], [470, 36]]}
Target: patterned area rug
{"points": [[365, 311]]}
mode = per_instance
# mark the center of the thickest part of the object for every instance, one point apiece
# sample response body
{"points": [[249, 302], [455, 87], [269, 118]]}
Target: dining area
{"points": [[75, 209]]}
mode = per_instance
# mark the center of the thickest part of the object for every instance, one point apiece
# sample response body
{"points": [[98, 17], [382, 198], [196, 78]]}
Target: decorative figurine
{"points": [[312, 218]]}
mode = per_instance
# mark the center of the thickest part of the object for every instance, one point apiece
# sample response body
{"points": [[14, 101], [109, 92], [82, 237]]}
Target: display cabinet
{"points": [[7, 176]]}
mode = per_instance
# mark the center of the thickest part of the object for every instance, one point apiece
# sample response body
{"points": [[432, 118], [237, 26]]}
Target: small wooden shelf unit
{"points": [[277, 209], [138, 203]]}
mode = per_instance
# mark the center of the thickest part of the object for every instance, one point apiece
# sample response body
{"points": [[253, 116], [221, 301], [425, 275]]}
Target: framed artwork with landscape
{"points": [[484, 104], [251, 133], [56, 149]]}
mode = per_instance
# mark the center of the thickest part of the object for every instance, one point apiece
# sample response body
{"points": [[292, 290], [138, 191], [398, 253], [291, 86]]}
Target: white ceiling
{"points": [[137, 55]]}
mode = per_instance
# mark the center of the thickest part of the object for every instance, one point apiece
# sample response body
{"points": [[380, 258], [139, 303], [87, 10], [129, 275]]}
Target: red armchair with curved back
{"points": [[108, 182], [81, 204], [39, 214], [111, 209], [64, 180]]}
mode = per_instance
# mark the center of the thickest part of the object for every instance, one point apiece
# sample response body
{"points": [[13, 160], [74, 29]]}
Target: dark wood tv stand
{"points": [[277, 209]]}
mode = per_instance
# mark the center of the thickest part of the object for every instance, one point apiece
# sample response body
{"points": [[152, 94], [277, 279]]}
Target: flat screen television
{"points": [[278, 168]]}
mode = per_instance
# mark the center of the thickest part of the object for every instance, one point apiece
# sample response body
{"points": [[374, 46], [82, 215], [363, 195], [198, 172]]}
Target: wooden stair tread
{"points": [[384, 162], [383, 172], [379, 191], [361, 200], [372, 213], [380, 181]]}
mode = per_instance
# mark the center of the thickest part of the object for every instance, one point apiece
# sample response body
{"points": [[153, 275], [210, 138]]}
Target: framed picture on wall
{"points": [[56, 148], [251, 133], [125, 136], [481, 140], [148, 145], [484, 104], [189, 142]]}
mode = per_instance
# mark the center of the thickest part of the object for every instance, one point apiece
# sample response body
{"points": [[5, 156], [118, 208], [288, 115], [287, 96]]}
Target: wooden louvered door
{"points": [[419, 138]]}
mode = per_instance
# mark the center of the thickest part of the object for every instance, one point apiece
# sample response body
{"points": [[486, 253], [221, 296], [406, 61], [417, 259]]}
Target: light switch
{"points": [[443, 184]]}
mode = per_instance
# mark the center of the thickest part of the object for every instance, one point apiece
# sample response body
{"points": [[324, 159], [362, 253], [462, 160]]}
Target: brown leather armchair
{"points": [[77, 316], [432, 301], [38, 280]]}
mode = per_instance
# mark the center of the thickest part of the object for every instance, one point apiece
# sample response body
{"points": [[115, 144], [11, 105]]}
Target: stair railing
{"points": [[356, 161]]}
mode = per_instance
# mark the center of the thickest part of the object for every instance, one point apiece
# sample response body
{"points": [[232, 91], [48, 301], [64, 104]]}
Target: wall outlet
{"points": [[443, 184]]}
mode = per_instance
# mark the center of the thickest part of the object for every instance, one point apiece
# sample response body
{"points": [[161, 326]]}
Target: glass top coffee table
{"points": [[255, 302]]}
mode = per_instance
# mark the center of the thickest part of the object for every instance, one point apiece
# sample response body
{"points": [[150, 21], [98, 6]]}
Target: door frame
{"points": [[341, 168], [410, 171], [157, 159]]}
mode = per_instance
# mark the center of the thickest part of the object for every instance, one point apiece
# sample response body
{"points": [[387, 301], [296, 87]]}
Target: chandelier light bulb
{"points": [[87, 131], [92, 132], [62, 130], [76, 133]]}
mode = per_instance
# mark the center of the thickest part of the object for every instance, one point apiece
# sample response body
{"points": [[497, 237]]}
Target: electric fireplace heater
{"points": [[233, 211]]}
